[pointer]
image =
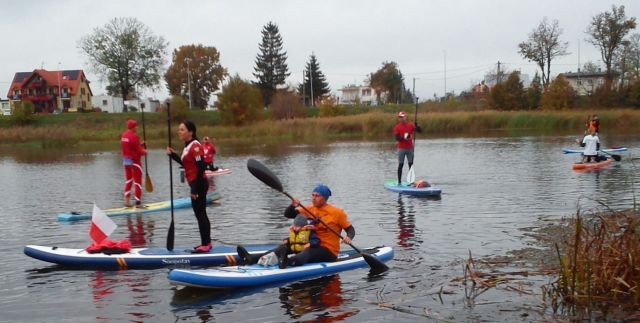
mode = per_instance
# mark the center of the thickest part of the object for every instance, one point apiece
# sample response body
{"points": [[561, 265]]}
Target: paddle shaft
{"points": [[144, 138], [614, 156], [171, 233]]}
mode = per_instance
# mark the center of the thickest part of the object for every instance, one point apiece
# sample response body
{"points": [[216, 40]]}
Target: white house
{"points": [[354, 94], [111, 104], [5, 107], [585, 82], [150, 104]]}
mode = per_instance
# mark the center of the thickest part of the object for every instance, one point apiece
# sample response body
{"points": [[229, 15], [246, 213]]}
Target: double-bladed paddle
{"points": [[265, 175]]}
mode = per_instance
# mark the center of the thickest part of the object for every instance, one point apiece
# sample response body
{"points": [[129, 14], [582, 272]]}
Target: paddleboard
{"points": [[592, 166], [608, 150], [405, 188], [256, 275], [180, 203], [141, 258], [220, 171]]}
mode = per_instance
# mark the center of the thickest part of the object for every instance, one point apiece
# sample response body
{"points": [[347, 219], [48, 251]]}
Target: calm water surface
{"points": [[493, 187]]}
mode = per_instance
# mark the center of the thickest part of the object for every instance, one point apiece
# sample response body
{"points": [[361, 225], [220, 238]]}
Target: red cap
{"points": [[401, 114], [131, 124]]}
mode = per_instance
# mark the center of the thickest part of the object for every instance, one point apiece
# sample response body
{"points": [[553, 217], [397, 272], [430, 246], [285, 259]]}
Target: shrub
{"points": [[329, 108], [286, 105], [240, 102], [559, 95], [22, 113]]}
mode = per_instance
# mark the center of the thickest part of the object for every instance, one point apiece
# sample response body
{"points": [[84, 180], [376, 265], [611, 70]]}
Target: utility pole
{"points": [[445, 75], [313, 104], [189, 81], [304, 89]]}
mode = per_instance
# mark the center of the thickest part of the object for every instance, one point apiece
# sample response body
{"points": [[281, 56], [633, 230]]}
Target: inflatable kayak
{"points": [[592, 166], [141, 258], [147, 208], [608, 150], [406, 188], [257, 275], [220, 171]]}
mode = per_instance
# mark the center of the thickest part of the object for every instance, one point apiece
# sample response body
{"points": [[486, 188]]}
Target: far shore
{"points": [[70, 130]]}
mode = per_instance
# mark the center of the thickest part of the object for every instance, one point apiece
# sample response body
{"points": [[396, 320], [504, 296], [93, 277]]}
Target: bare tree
{"points": [[543, 46], [127, 54], [607, 31]]}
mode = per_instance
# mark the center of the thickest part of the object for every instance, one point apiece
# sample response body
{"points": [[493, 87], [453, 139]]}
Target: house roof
{"points": [[68, 79], [584, 74]]}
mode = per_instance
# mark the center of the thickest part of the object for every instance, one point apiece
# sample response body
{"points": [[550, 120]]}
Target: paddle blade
{"points": [[411, 175], [148, 185], [377, 266], [264, 174], [616, 157], [170, 236]]}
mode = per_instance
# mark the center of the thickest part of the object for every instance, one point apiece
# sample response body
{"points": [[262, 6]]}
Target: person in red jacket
{"points": [[132, 152], [209, 153], [404, 133], [192, 159]]}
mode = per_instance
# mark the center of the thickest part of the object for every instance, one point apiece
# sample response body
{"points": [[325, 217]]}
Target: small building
{"points": [[5, 107], [66, 91], [585, 83], [354, 94], [108, 103], [150, 104]]}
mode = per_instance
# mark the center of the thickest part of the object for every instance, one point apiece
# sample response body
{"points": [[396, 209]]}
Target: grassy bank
{"points": [[66, 130]]}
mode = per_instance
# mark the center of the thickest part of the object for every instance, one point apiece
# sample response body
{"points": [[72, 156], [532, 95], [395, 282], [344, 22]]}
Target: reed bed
{"points": [[599, 275], [372, 123]]}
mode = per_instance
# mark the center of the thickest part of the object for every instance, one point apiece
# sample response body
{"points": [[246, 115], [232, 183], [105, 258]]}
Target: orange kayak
{"points": [[592, 166]]}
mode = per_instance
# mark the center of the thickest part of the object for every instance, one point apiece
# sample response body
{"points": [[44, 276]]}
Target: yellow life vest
{"points": [[298, 239]]}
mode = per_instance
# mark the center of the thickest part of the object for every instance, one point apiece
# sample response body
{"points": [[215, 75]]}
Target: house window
{"points": [[84, 104], [82, 91], [104, 102], [579, 82]]}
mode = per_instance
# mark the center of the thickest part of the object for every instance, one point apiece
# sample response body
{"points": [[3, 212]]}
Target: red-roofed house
{"points": [[68, 90]]}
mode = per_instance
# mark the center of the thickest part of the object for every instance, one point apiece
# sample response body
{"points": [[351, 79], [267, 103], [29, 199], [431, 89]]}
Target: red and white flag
{"points": [[101, 225]]}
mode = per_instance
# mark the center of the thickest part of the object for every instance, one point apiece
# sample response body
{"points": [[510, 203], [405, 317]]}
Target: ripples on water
{"points": [[492, 188]]}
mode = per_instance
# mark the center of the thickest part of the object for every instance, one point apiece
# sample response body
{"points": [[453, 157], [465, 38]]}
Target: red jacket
{"points": [[400, 130], [191, 154], [131, 147], [209, 152]]}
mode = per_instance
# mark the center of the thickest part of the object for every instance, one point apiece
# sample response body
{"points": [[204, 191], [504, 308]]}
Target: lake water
{"points": [[492, 189]]}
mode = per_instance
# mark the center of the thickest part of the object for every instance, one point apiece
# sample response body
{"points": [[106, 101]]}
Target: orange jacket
{"points": [[332, 216]]}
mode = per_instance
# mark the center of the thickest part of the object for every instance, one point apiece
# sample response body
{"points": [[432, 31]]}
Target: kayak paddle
{"points": [[265, 175]]}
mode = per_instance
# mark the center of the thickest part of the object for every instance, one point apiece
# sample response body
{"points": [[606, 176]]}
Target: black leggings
{"points": [[199, 206], [318, 254]]}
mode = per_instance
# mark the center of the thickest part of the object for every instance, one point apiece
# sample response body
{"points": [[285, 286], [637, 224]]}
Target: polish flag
{"points": [[101, 225]]}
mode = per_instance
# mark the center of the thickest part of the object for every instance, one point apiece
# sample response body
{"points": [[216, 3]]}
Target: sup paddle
{"points": [[171, 233], [148, 185], [615, 157], [265, 175]]}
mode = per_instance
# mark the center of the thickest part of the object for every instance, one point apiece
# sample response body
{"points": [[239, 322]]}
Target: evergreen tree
{"points": [[534, 92], [313, 76], [271, 68]]}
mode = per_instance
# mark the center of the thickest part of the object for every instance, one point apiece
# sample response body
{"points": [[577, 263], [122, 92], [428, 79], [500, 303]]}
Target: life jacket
{"points": [[299, 237]]}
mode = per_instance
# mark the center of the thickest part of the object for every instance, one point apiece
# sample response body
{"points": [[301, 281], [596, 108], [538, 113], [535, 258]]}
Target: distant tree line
{"points": [[130, 58]]}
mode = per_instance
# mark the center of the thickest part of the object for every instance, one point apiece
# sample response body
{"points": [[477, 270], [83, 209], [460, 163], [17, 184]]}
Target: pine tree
{"points": [[271, 68], [313, 79]]}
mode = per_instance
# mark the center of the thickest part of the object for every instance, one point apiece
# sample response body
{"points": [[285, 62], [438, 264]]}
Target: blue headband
{"points": [[323, 190]]}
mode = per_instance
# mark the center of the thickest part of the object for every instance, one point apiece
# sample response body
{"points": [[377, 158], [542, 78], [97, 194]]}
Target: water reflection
{"points": [[318, 300], [406, 225], [138, 235], [108, 286]]}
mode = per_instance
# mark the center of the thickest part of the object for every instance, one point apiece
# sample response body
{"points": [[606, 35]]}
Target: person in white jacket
{"points": [[591, 144]]}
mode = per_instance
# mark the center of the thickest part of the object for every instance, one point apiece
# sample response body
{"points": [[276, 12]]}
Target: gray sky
{"points": [[351, 38]]}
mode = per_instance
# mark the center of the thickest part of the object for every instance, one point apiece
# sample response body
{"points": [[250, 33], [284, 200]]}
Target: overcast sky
{"points": [[350, 38]]}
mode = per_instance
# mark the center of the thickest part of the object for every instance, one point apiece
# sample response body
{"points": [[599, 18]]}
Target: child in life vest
{"points": [[302, 235]]}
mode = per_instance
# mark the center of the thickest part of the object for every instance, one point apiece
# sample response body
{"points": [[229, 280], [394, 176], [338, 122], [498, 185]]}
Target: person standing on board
{"points": [[132, 152], [404, 133], [591, 144], [192, 159], [209, 153]]}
